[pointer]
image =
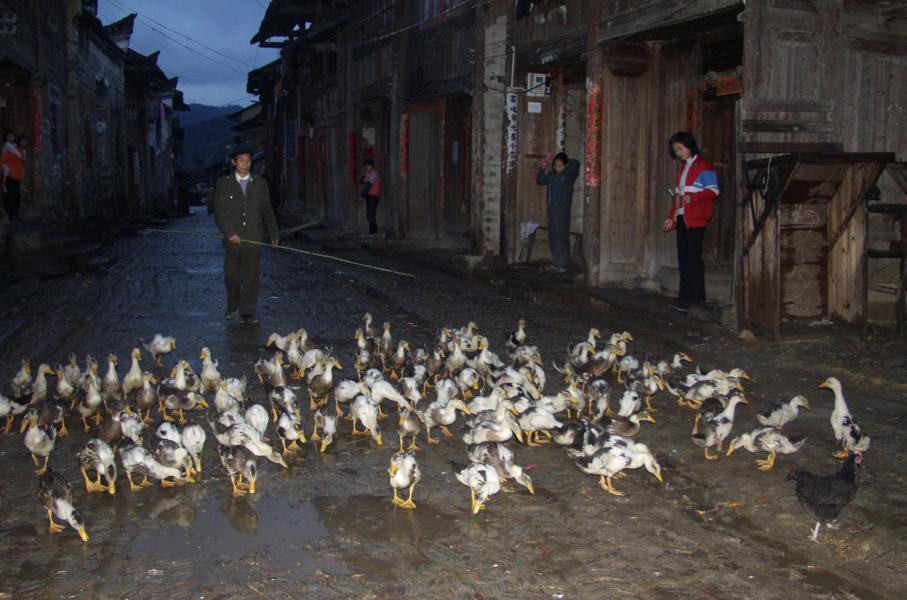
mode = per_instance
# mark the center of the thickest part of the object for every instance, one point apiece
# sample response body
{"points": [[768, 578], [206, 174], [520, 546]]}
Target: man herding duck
{"points": [[242, 210]]}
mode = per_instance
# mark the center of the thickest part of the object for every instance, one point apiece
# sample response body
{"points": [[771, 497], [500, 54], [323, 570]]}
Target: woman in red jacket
{"points": [[12, 164], [697, 188]]}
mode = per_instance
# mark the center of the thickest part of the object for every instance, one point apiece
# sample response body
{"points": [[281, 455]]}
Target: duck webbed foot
{"points": [[608, 485], [768, 463], [43, 469], [53, 527], [708, 455], [238, 486], [132, 486], [408, 503]]}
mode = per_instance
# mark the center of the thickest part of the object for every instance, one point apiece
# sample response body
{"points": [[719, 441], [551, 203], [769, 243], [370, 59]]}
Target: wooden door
{"points": [[536, 137], [456, 164], [424, 174], [717, 145]]}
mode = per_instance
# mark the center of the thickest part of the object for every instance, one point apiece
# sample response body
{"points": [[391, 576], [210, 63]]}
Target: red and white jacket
{"points": [[702, 187]]}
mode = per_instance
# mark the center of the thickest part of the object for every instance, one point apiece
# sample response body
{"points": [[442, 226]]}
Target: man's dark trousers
{"points": [[241, 266], [559, 233]]}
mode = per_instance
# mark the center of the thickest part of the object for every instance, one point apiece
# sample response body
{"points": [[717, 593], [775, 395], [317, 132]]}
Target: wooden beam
{"points": [[786, 105], [658, 14], [788, 147], [786, 126], [626, 59]]}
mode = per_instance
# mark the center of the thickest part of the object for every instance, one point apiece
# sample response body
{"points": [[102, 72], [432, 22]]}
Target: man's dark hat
{"points": [[237, 150]]}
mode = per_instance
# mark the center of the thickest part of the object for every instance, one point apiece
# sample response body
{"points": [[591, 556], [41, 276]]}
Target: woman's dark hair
{"points": [[368, 162], [562, 156], [6, 133], [685, 138], [20, 138]]}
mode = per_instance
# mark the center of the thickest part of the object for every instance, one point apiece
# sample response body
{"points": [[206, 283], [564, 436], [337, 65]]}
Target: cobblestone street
{"points": [[326, 527]]}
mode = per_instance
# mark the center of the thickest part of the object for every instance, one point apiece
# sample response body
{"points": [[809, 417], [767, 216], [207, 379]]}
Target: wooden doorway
{"points": [[457, 180], [718, 144], [423, 182]]}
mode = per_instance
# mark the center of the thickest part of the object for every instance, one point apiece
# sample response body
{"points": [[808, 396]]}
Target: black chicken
{"points": [[825, 496]]}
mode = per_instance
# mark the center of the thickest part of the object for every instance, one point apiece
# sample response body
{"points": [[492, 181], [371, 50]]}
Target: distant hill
{"points": [[207, 134]]}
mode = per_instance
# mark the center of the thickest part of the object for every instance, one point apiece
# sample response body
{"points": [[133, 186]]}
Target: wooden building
{"points": [[99, 115], [458, 101]]}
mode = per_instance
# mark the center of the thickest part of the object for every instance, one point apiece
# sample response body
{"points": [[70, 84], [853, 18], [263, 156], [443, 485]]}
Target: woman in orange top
{"points": [[14, 174]]}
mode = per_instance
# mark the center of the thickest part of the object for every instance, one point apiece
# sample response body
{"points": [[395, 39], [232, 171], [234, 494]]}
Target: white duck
{"points": [[767, 439], [39, 441], [223, 401], [483, 482], [328, 426], [136, 459], [159, 346], [714, 430], [384, 390], [611, 460], [501, 458], [243, 434], [283, 399], [71, 372], [365, 411], [98, 456], [404, 473], [289, 429], [132, 381], [441, 413], [193, 439], [10, 408], [111, 390], [781, 413], [536, 420], [847, 432], [22, 380], [346, 391], [257, 416], [210, 376]]}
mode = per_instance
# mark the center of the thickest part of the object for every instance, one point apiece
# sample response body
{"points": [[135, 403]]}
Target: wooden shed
{"points": [[802, 240]]}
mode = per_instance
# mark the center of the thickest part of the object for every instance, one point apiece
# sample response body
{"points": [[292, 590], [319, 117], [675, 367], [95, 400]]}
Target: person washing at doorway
{"points": [[371, 192], [560, 179], [697, 188]]}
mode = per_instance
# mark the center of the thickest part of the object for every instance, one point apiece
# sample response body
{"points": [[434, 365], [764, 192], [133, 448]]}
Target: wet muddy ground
{"points": [[326, 528]]}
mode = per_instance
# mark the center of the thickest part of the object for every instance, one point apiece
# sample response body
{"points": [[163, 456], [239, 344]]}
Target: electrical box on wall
{"points": [[538, 84]]}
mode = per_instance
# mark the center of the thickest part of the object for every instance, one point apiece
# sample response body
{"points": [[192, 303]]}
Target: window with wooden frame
{"points": [[432, 9]]}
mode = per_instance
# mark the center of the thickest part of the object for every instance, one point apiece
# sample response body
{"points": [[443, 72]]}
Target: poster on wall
{"points": [[511, 112]]}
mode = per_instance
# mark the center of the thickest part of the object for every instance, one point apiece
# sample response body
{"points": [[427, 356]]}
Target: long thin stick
{"points": [[287, 248]]}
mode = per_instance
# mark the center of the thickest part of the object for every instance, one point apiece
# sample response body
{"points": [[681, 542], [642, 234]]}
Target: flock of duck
{"points": [[593, 419]]}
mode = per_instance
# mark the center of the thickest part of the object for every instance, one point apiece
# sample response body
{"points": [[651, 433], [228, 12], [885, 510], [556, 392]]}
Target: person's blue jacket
{"points": [[560, 185]]}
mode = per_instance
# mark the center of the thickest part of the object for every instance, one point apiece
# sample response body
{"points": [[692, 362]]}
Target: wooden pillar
{"points": [[592, 190]]}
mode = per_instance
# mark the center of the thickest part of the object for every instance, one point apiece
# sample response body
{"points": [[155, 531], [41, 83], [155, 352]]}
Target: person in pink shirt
{"points": [[371, 191]]}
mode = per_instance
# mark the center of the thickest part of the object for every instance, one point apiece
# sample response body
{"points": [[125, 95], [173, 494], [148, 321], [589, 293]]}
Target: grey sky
{"points": [[224, 26]]}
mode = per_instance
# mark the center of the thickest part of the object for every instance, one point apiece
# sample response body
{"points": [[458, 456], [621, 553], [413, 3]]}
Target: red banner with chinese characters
{"points": [[404, 145], [354, 157], [593, 134]]}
